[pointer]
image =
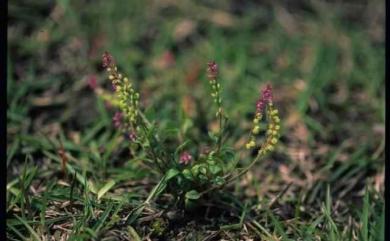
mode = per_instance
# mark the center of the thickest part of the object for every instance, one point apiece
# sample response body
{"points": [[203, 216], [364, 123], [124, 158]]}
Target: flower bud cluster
{"points": [[128, 98], [117, 119], [272, 132], [185, 158], [212, 73], [273, 129]]}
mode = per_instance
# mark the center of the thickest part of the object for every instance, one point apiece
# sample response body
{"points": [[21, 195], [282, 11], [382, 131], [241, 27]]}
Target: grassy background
{"points": [[324, 60]]}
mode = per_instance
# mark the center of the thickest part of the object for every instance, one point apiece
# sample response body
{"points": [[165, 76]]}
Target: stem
{"points": [[258, 157], [220, 131], [245, 170], [153, 153], [145, 124]]}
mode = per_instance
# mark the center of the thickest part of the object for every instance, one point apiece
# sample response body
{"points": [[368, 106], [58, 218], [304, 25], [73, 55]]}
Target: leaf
{"points": [[91, 187], [202, 178], [228, 154], [219, 181], [34, 235], [188, 124], [195, 170], [135, 213], [159, 188], [215, 169], [213, 136], [105, 188], [133, 233], [181, 147], [187, 174], [211, 162], [171, 173], [83, 181], [192, 195], [365, 216], [203, 169]]}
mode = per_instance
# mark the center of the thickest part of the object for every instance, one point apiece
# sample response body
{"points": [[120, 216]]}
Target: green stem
{"points": [[258, 157], [145, 125], [152, 152], [245, 170], [220, 131]]}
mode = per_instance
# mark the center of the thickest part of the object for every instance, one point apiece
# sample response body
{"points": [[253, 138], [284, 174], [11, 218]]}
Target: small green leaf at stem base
{"points": [[193, 195]]}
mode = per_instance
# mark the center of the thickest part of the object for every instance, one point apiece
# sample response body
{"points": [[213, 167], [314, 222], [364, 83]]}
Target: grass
{"points": [[325, 61]]}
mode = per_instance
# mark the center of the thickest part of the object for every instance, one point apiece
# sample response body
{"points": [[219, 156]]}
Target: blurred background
{"points": [[324, 59]]}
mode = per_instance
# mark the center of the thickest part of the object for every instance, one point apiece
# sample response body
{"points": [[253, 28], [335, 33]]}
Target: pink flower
{"points": [[107, 59], [117, 119], [265, 98], [212, 70], [92, 81], [132, 136], [185, 158], [267, 93]]}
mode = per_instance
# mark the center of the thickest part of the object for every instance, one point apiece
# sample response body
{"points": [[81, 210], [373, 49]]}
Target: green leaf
{"points": [[213, 136], [187, 124], [187, 174], [219, 181], [203, 169], [228, 154], [215, 169], [195, 170], [34, 235], [192, 195], [202, 178], [133, 233], [105, 188], [181, 147], [365, 216], [171, 173], [211, 162]]}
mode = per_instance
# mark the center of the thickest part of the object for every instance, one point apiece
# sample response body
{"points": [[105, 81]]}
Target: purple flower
{"points": [[107, 59], [185, 158], [132, 136], [113, 86], [265, 98], [260, 104], [117, 119], [267, 93], [212, 70]]}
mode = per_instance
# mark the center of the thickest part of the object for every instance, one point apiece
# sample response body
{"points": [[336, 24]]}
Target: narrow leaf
{"points": [[105, 188]]}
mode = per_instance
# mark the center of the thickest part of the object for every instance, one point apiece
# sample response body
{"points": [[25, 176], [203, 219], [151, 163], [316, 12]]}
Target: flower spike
{"points": [[127, 96], [212, 74], [265, 105]]}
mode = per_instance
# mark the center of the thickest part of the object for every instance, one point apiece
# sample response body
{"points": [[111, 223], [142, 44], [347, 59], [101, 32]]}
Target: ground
{"points": [[325, 61]]}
